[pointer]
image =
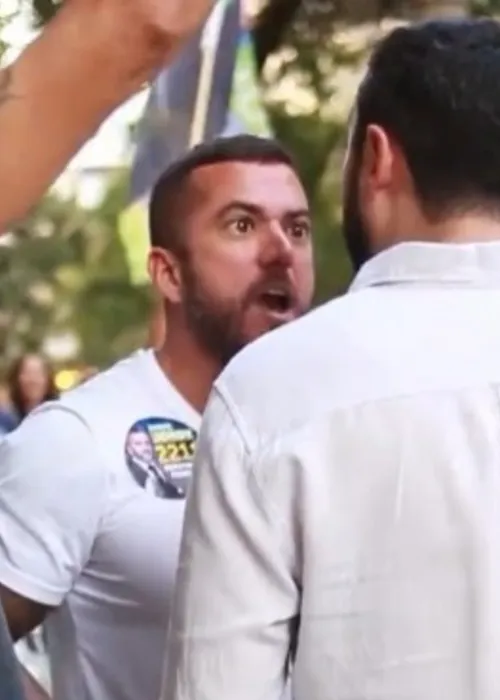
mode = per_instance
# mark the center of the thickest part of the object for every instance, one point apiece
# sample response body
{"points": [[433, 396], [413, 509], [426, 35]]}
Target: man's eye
{"points": [[300, 230], [242, 225]]}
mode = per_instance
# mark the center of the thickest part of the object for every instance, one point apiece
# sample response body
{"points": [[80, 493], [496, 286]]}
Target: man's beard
{"points": [[355, 232], [216, 327]]}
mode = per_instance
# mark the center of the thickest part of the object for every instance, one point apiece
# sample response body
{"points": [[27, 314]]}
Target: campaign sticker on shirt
{"points": [[159, 453]]}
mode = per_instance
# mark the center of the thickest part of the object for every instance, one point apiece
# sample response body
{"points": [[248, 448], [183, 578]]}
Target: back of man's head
{"points": [[172, 196], [434, 88]]}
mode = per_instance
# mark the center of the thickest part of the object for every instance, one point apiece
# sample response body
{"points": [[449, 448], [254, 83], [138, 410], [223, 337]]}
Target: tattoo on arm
{"points": [[5, 85]]}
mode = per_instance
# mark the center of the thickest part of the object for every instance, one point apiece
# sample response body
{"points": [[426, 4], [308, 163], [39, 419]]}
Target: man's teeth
{"points": [[276, 299]]}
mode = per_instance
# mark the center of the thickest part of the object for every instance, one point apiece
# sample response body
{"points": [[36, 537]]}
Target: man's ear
{"points": [[377, 158], [165, 273]]}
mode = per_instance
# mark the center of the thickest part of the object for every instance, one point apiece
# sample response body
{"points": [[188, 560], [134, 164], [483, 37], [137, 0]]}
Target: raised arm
{"points": [[89, 59]]}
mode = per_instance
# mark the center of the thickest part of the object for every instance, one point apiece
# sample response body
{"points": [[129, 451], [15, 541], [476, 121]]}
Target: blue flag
{"points": [[164, 132]]}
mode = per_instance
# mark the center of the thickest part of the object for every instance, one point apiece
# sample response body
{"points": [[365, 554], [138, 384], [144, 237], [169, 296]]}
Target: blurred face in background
{"points": [[33, 379], [30, 383]]}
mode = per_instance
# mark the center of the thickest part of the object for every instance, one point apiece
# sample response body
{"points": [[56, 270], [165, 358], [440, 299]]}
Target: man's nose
{"points": [[276, 248]]}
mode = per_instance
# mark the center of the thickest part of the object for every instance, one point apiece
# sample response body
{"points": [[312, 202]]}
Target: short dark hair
{"points": [[435, 88], [170, 198]]}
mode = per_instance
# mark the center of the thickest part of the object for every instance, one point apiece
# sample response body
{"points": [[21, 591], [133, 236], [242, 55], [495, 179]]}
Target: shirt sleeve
{"points": [[52, 488], [236, 598]]}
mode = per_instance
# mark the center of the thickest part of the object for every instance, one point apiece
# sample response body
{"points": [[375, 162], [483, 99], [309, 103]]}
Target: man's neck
{"points": [[468, 228], [189, 369]]}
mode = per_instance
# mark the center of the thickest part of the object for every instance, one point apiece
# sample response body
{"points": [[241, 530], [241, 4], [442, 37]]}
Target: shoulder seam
{"points": [[61, 406]]}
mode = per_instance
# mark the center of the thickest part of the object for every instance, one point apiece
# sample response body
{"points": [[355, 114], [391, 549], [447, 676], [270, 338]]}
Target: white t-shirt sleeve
{"points": [[52, 491], [236, 598]]}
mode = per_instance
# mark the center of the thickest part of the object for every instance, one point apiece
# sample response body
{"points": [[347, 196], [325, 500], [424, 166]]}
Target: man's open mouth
{"points": [[276, 300]]}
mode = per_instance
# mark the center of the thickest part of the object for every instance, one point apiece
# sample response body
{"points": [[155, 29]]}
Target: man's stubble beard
{"points": [[214, 328]]}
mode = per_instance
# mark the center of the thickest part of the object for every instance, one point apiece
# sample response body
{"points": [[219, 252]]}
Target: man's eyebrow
{"points": [[256, 210], [298, 214], [240, 205]]}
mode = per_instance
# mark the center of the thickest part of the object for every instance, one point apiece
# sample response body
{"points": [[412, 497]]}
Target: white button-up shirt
{"points": [[345, 507]]}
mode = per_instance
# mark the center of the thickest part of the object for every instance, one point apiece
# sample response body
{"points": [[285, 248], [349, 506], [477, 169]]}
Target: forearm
{"points": [[89, 59]]}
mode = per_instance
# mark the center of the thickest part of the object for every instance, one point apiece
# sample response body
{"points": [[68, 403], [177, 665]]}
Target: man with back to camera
{"points": [[352, 519], [80, 535]]}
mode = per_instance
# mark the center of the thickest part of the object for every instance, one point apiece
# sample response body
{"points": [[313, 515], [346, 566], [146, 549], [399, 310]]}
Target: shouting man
{"points": [[92, 487]]}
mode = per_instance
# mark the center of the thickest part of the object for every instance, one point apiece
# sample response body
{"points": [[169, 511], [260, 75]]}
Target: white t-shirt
{"points": [[91, 507]]}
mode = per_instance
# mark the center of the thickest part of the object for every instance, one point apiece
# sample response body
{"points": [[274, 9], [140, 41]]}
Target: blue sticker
{"points": [[159, 454]]}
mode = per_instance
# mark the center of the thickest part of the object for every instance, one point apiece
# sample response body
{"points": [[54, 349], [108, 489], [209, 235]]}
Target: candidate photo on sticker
{"points": [[147, 443]]}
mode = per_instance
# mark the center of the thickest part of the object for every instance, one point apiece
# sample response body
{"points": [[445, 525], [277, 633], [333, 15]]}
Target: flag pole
{"points": [[208, 44]]}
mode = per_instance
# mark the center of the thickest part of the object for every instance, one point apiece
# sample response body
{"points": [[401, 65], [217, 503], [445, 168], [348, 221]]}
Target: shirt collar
{"points": [[464, 264]]}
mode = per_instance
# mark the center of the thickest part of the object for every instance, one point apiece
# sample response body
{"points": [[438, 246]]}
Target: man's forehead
{"points": [[246, 169], [256, 181]]}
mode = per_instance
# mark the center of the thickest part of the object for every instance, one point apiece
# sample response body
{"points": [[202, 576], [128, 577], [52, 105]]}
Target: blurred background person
{"points": [[30, 383]]}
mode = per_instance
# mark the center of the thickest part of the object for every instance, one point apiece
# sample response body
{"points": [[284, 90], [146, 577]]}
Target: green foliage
{"points": [[110, 315], [4, 20], [40, 262], [63, 270], [485, 7]]}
